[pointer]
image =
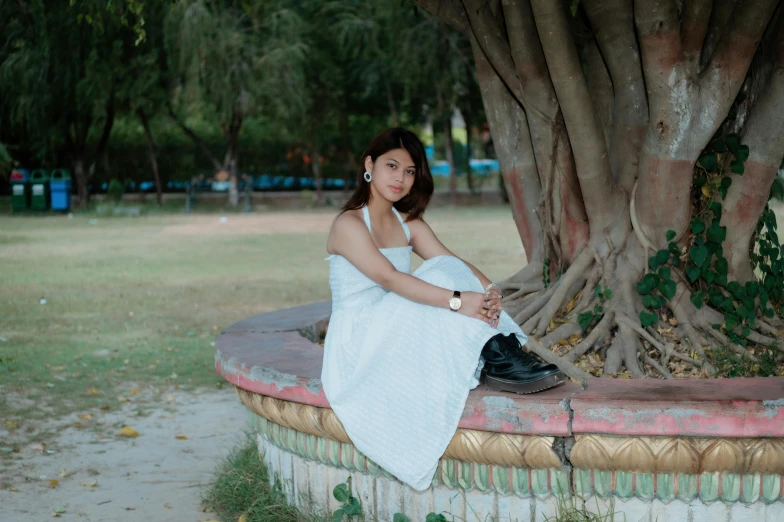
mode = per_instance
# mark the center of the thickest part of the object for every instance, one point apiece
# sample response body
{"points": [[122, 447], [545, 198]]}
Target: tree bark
{"points": [[600, 87], [512, 142], [81, 182], [721, 10], [106, 132], [563, 212], [749, 193], [603, 204], [613, 23], [153, 157], [315, 163], [232, 131]]}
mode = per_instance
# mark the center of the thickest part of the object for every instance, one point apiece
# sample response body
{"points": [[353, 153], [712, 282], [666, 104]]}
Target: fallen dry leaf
{"points": [[93, 391], [181, 437], [571, 304], [169, 398], [242, 518], [128, 432], [123, 399], [135, 391], [14, 490], [90, 484], [54, 483], [85, 416]]}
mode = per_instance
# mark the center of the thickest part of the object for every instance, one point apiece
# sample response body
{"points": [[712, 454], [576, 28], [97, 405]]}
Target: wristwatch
{"points": [[454, 302]]}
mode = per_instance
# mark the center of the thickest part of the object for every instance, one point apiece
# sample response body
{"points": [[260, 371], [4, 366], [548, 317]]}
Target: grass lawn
{"points": [[134, 303]]}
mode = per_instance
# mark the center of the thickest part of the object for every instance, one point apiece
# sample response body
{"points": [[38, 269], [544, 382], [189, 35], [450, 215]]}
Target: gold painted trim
{"points": [[678, 454], [480, 447]]}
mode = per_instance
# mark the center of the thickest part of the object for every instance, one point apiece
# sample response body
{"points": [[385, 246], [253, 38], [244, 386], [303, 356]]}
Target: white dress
{"points": [[397, 373]]}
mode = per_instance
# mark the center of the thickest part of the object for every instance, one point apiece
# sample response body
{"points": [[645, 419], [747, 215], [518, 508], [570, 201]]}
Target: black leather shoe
{"points": [[508, 367]]}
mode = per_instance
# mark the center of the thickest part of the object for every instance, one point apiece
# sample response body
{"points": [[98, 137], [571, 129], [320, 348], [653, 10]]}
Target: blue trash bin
{"points": [[60, 186]]}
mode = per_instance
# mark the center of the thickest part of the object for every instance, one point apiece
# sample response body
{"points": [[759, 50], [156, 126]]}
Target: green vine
{"points": [[546, 272], [704, 263], [768, 257], [586, 319], [352, 507]]}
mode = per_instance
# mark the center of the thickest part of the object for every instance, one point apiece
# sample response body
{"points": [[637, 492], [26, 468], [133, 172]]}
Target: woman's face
{"points": [[393, 174]]}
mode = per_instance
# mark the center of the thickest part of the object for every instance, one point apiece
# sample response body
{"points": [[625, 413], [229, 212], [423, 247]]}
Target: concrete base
{"points": [[308, 485]]}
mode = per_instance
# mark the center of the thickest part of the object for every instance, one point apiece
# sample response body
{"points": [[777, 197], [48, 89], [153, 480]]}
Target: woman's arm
{"points": [[350, 238], [427, 245]]}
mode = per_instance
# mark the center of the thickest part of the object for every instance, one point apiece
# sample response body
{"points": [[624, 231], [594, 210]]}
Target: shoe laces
{"points": [[521, 354]]}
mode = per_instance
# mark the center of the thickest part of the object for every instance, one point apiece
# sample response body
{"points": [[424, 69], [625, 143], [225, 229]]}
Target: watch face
{"points": [[455, 303]]}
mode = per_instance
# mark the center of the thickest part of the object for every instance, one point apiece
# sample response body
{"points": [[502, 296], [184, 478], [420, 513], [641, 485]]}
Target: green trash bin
{"points": [[39, 190], [20, 190]]}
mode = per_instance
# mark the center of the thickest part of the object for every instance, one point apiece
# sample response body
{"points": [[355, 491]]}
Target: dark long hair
{"points": [[417, 199]]}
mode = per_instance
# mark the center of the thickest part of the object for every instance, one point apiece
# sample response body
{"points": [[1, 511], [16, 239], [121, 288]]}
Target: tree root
{"points": [[659, 368], [599, 331], [535, 305], [618, 334], [564, 289], [568, 368], [530, 273], [564, 331], [524, 289]]}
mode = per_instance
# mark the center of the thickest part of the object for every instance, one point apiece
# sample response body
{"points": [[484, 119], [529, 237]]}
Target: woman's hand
{"points": [[479, 306], [493, 299]]}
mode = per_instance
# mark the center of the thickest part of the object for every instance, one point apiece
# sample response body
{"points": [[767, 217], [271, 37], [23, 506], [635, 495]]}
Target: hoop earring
{"points": [[368, 176]]}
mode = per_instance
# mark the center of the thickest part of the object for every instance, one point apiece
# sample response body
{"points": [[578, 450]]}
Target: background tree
{"points": [[238, 58], [59, 79], [599, 117]]}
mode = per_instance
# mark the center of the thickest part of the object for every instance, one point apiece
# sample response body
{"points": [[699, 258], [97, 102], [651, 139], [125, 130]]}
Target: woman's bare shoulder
{"points": [[413, 223], [347, 219], [346, 223]]}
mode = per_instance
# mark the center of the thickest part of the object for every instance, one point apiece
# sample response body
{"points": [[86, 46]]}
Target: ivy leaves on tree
{"points": [[586, 319], [704, 264]]}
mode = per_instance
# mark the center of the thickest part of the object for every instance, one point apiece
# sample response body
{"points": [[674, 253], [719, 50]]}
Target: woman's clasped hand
{"points": [[485, 307]]}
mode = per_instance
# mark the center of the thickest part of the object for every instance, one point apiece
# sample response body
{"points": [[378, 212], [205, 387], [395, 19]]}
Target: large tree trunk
{"points": [[598, 129], [80, 174], [153, 157], [230, 159], [315, 163]]}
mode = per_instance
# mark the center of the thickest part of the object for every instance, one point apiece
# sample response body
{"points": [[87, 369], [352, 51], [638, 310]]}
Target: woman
{"points": [[402, 351]]}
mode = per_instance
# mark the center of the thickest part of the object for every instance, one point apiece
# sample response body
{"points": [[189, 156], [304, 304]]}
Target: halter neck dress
{"points": [[397, 373]]}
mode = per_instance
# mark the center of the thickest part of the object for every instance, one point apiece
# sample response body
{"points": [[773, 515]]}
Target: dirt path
{"points": [[102, 476]]}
